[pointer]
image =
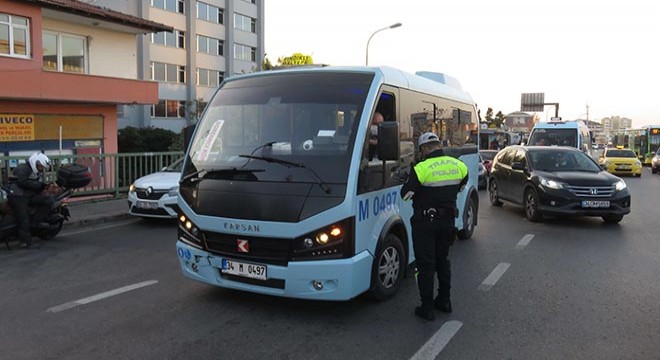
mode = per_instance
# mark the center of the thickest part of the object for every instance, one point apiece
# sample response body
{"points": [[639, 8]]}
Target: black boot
{"points": [[425, 313], [444, 305]]}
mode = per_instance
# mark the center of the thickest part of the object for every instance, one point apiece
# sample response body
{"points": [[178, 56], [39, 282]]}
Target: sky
{"points": [[600, 54]]}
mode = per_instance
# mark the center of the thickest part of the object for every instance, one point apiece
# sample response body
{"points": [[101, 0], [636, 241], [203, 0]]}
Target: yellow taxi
{"points": [[621, 161]]}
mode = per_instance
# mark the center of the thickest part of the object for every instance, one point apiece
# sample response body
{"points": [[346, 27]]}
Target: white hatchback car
{"points": [[155, 195]]}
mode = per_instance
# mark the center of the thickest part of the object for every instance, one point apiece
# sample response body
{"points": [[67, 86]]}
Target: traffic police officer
{"points": [[433, 185]]}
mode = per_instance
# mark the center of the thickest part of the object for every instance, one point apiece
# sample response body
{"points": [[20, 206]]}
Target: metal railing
{"points": [[111, 173]]}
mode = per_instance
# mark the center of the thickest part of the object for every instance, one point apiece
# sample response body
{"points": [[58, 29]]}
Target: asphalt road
{"points": [[561, 289]]}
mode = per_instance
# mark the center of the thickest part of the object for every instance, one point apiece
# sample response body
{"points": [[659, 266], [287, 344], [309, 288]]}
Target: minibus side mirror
{"points": [[388, 140]]}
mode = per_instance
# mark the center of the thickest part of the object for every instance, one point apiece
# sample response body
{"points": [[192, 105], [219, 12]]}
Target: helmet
{"points": [[427, 137], [39, 158]]}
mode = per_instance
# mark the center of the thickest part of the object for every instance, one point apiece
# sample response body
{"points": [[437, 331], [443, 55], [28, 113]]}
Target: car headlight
{"points": [[131, 188], [638, 163], [620, 185], [174, 191], [551, 183]]}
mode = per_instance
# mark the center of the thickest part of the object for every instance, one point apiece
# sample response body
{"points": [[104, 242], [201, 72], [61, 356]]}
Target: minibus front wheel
{"points": [[388, 268]]}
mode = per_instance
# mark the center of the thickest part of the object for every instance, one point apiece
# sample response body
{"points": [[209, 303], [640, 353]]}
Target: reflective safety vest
{"points": [[441, 171]]}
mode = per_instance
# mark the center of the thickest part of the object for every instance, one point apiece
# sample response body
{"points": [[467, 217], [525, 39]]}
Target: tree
{"points": [[131, 139], [267, 65], [499, 119]]}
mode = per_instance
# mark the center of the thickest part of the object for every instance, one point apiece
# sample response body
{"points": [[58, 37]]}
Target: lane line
{"points": [[494, 276], [524, 241], [438, 341], [100, 296]]}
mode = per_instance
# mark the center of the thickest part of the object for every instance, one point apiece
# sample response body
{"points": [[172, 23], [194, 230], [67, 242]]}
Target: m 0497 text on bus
{"points": [[377, 204]]}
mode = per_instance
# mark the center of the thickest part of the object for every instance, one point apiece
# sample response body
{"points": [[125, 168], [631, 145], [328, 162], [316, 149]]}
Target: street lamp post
{"points": [[376, 32]]}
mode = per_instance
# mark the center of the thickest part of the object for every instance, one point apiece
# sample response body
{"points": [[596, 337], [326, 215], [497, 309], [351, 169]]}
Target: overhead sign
{"points": [[532, 101], [16, 127]]}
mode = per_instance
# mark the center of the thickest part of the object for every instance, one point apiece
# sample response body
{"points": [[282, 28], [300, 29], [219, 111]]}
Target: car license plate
{"points": [[238, 268], [595, 204], [623, 167], [146, 205]]}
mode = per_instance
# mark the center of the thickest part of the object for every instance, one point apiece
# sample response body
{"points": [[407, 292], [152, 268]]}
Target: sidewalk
{"points": [[87, 212]]}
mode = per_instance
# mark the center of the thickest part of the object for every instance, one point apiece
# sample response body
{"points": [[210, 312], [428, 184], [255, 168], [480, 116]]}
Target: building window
{"points": [[245, 23], [210, 45], [245, 53], [169, 109], [210, 13], [176, 39], [169, 5], [14, 36], [64, 52], [208, 77], [168, 72]]}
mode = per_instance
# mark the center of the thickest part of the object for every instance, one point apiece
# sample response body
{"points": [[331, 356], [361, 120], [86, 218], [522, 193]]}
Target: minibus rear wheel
{"points": [[388, 268]]}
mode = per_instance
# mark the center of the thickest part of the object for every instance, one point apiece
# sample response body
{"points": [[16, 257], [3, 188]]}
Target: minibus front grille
{"points": [[272, 251]]}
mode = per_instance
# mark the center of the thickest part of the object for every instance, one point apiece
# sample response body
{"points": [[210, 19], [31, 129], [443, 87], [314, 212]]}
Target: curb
{"points": [[75, 224]]}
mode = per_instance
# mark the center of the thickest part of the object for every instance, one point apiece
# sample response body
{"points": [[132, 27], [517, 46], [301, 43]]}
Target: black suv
{"points": [[556, 181]]}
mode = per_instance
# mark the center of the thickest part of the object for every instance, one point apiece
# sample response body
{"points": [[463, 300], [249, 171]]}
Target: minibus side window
{"points": [[371, 168]]}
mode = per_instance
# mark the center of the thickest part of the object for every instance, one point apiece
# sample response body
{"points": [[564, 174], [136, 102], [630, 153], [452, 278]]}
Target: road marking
{"points": [[494, 276], [101, 296], [524, 241], [438, 341]]}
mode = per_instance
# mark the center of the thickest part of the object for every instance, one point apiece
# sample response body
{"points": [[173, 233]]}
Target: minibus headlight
{"points": [[189, 232], [330, 242]]}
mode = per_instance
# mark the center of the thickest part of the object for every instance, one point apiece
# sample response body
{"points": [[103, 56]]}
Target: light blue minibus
{"points": [[283, 193], [562, 133]]}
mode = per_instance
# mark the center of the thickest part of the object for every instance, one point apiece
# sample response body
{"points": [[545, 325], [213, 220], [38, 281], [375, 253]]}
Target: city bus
{"points": [[644, 141], [562, 133], [283, 193]]}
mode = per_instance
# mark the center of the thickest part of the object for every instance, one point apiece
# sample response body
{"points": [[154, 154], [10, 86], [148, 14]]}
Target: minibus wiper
{"points": [[190, 176], [286, 163]]}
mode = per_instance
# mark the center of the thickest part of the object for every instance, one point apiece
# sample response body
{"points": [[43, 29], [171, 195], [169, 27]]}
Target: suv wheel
{"points": [[492, 193], [531, 205]]}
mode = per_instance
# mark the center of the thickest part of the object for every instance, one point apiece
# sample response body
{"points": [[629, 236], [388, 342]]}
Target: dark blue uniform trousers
{"points": [[431, 241]]}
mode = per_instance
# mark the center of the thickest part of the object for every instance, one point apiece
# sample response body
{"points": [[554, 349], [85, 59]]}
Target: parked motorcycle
{"points": [[69, 178]]}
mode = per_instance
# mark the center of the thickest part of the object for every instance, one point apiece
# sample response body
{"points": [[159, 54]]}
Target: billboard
{"points": [[532, 101]]}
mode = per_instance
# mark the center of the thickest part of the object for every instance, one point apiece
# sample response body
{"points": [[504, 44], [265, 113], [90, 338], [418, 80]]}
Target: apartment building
{"points": [[613, 124], [65, 67], [212, 40]]}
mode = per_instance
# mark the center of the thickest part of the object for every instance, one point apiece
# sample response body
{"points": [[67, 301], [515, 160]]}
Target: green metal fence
{"points": [[111, 173]]}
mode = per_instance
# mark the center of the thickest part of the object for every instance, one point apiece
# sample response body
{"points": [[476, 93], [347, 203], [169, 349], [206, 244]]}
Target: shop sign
{"points": [[16, 127]]}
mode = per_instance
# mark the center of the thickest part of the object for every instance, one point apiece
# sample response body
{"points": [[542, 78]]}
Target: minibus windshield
{"points": [[557, 137], [309, 119]]}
